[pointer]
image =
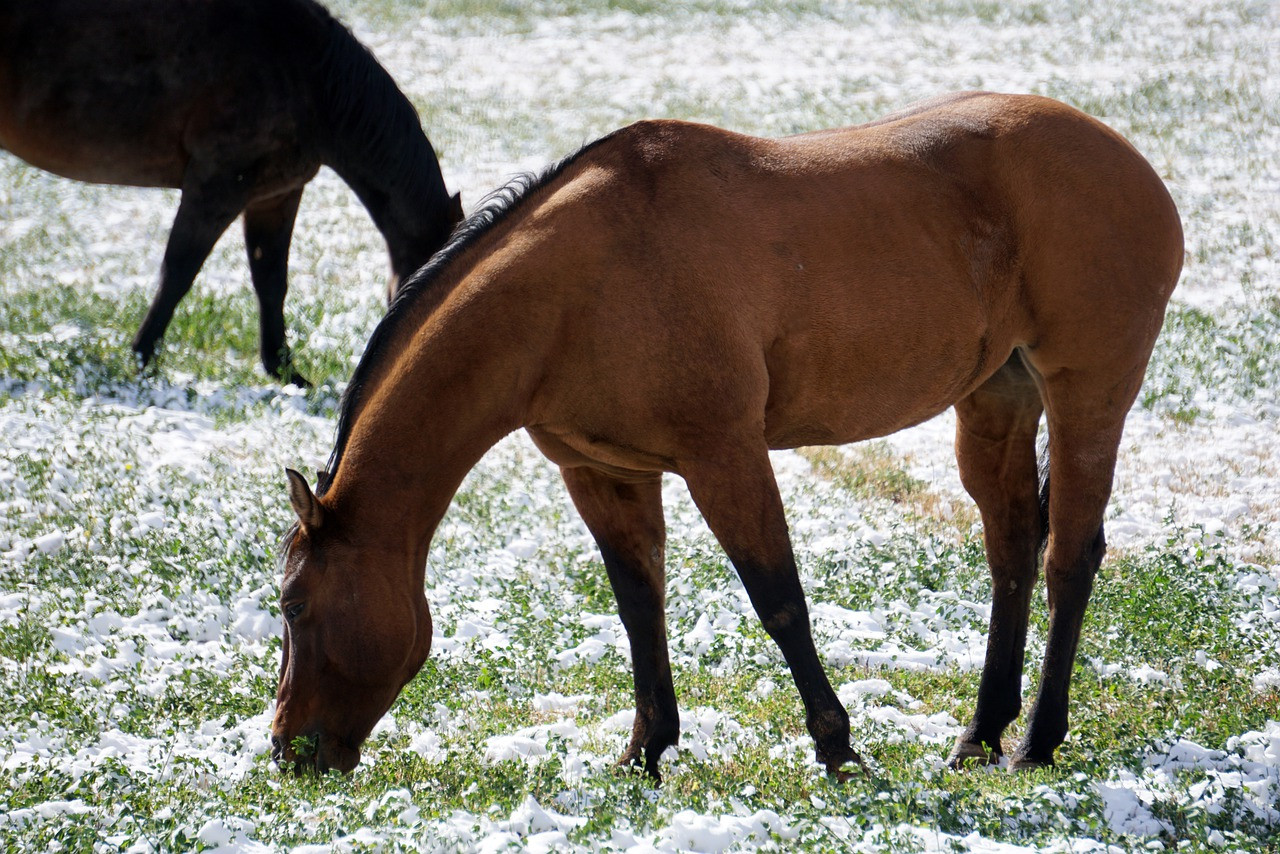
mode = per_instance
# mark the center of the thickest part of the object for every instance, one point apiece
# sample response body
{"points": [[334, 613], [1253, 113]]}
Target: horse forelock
{"points": [[425, 285], [285, 546]]}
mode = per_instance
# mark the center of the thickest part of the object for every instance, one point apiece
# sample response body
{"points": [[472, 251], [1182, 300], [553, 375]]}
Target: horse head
{"points": [[352, 639]]}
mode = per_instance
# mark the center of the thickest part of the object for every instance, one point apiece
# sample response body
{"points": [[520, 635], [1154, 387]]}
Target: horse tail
{"points": [[1043, 471]]}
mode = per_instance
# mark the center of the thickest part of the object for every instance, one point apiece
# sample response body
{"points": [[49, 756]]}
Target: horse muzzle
{"points": [[314, 753]]}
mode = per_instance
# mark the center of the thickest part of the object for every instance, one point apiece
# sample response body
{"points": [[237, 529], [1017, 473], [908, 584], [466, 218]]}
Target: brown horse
{"points": [[236, 102], [678, 298]]}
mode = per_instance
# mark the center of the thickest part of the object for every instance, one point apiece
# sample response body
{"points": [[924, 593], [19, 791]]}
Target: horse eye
{"points": [[292, 611]]}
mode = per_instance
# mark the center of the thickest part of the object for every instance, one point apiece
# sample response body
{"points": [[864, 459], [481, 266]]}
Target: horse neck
{"points": [[432, 414], [374, 141]]}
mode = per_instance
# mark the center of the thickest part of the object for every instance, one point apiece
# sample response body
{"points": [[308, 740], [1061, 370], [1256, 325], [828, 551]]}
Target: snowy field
{"points": [[139, 631]]}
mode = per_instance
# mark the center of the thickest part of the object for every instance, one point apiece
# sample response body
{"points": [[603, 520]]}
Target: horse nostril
{"points": [[277, 748]]}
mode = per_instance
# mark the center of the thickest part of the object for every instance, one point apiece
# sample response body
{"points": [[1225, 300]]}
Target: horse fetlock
{"points": [[635, 760], [660, 738], [832, 744], [632, 757], [282, 368], [1037, 749], [651, 767], [829, 726]]}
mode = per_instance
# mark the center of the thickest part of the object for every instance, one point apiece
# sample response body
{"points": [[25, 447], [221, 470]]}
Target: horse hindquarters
{"points": [[1103, 250]]}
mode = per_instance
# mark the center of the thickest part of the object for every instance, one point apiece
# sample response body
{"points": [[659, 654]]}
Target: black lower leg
{"points": [[1000, 689], [268, 230], [1069, 591], [625, 518], [779, 601], [657, 721]]}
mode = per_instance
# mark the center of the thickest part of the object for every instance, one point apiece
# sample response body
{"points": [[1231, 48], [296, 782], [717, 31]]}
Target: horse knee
{"points": [[783, 619]]}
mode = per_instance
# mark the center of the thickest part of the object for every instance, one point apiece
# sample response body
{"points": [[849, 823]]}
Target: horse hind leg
{"points": [[995, 447], [625, 518], [268, 230], [1086, 413]]}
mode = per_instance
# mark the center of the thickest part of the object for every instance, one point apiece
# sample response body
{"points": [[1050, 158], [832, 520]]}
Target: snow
{"points": [[130, 470]]}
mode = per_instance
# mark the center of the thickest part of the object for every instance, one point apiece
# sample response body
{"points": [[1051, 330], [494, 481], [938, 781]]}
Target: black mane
{"points": [[493, 209], [372, 125]]}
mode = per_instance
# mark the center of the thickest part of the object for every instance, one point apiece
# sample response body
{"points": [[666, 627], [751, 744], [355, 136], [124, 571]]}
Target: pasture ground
{"points": [[139, 516]]}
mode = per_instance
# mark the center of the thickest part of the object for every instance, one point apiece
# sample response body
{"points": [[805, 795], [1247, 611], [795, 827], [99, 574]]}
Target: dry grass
{"points": [[872, 470]]}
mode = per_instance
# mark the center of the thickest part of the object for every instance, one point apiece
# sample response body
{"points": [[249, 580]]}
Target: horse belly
{"points": [[873, 379], [100, 142], [127, 167]]}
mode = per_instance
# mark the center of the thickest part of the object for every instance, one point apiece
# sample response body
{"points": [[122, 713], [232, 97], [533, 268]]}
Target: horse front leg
{"points": [[625, 517], [738, 496], [268, 230], [205, 211]]}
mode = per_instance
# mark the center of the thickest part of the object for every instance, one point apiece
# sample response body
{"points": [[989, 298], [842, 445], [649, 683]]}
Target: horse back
{"points": [[849, 283], [127, 91]]}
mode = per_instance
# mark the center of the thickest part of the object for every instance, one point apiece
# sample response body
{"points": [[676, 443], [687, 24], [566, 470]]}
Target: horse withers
{"points": [[679, 298], [235, 102]]}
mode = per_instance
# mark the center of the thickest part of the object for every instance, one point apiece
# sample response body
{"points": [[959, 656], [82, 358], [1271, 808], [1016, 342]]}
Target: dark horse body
{"points": [[235, 102], [678, 298]]}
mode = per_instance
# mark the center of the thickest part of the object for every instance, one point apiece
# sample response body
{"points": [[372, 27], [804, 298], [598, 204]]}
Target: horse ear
{"points": [[455, 208], [305, 504]]}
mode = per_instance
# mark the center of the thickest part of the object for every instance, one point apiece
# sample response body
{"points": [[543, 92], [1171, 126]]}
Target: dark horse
{"points": [[678, 298], [235, 102]]}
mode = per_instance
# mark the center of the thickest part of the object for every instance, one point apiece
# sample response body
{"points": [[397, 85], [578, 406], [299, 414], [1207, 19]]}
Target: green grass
{"points": [[137, 683]]}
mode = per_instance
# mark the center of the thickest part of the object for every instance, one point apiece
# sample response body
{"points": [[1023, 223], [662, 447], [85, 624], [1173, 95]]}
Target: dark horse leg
{"points": [[625, 517], [206, 209], [1086, 417], [268, 229], [995, 447], [738, 496]]}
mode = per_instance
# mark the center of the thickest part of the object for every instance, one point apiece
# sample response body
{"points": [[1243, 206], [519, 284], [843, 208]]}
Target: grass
{"points": [[140, 656]]}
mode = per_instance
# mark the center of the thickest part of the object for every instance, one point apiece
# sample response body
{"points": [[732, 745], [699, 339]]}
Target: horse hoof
{"points": [[966, 754], [288, 376], [142, 358], [1020, 764], [631, 763], [841, 775]]}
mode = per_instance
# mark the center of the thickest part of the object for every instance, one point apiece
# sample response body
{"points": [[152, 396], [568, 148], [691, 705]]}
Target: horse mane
{"points": [[371, 122], [423, 286]]}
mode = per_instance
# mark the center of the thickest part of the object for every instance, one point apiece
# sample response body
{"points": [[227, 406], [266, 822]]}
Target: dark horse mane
{"points": [[371, 121], [493, 210]]}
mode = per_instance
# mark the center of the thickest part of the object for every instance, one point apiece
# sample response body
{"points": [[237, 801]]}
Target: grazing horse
{"points": [[679, 298], [235, 102]]}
